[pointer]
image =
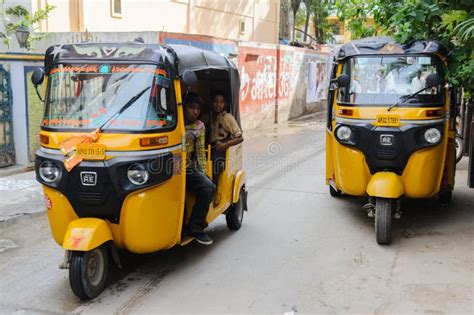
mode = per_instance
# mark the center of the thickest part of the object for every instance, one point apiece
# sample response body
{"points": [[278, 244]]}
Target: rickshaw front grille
{"points": [[91, 196], [387, 154]]}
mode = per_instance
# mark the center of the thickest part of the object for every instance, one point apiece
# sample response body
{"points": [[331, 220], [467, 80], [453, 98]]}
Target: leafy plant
{"points": [[408, 20], [17, 16]]}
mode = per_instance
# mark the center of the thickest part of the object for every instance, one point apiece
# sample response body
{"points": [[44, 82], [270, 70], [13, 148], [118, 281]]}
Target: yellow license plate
{"points": [[90, 151], [388, 120]]}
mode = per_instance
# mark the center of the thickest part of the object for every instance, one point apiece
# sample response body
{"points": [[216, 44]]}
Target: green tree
{"points": [[408, 20], [17, 16]]}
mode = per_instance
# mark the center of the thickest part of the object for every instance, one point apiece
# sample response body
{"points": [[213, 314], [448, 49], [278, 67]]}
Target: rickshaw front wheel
{"points": [[88, 272], [235, 214], [383, 220], [334, 192]]}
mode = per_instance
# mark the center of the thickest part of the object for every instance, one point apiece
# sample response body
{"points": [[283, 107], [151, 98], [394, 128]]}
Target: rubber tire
{"points": [[78, 278], [333, 192], [445, 197], [235, 215], [459, 149], [383, 220]]}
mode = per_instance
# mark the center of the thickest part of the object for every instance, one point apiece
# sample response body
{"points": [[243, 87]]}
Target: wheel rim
{"points": [[458, 148], [240, 210], [95, 267]]}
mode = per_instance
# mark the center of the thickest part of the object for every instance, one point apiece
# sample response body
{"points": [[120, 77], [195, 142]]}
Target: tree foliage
{"points": [[17, 16], [447, 21]]}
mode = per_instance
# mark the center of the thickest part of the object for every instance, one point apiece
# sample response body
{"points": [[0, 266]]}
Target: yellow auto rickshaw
{"points": [[390, 126], [112, 156]]}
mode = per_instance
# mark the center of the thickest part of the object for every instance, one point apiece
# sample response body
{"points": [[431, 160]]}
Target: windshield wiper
{"points": [[406, 97], [123, 108]]}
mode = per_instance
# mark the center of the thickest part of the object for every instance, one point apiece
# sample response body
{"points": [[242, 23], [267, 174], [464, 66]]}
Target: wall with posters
{"points": [[279, 82]]}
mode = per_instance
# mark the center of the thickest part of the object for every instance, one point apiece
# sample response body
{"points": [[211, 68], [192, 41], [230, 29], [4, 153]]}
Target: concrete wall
{"points": [[279, 83]]}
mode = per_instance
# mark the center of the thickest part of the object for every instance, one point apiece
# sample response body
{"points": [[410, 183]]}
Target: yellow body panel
{"points": [[60, 213], [385, 185], [409, 113], [352, 172], [151, 219], [86, 234], [422, 175], [329, 157], [114, 142], [239, 182]]}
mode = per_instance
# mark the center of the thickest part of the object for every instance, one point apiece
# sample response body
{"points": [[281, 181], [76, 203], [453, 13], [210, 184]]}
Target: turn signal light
{"points": [[434, 113], [44, 139], [346, 112], [153, 141]]}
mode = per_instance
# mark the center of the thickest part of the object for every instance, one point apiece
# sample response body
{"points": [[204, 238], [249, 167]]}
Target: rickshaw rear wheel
{"points": [[88, 272], [445, 197], [383, 220], [334, 192], [235, 215]]}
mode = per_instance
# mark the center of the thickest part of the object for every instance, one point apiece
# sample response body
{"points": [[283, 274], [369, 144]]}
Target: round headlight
{"points": [[137, 174], [343, 133], [49, 172], [432, 135]]}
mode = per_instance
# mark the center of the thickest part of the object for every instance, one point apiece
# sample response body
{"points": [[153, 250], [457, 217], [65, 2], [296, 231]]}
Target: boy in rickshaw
{"points": [[196, 180], [225, 133]]}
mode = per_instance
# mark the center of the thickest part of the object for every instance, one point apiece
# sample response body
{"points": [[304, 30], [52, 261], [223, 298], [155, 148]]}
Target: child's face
{"points": [[219, 103], [192, 111]]}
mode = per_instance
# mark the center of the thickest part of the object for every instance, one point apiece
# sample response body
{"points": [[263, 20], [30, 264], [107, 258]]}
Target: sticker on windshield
{"points": [[104, 69]]}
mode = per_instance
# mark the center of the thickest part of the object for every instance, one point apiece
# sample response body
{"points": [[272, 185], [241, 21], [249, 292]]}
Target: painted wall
{"points": [[218, 18], [279, 83], [27, 109]]}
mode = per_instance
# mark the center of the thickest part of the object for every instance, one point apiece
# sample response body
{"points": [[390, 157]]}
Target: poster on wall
{"points": [[317, 75]]}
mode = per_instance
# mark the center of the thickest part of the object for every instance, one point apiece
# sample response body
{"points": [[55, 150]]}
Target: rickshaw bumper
{"points": [[385, 185], [86, 234]]}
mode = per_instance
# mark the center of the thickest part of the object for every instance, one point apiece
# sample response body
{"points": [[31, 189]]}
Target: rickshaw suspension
{"points": [[370, 208]]}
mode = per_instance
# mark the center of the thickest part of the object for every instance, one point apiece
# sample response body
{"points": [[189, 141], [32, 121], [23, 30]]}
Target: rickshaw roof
{"points": [[386, 45], [180, 57]]}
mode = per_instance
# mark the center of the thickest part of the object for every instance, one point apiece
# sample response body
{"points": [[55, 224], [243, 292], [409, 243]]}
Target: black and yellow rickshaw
{"points": [[112, 156], [390, 126]]}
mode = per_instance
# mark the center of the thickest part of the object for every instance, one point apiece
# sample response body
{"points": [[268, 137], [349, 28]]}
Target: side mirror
{"points": [[343, 80], [189, 78], [37, 77], [433, 80]]}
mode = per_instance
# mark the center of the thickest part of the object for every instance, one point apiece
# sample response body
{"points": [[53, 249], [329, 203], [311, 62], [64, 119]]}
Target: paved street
{"points": [[299, 250]]}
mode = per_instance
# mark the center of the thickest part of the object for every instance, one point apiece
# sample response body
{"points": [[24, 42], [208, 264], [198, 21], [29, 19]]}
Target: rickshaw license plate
{"points": [[90, 151], [388, 120]]}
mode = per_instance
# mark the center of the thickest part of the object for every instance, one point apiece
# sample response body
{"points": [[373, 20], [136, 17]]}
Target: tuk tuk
{"points": [[113, 150], [390, 129]]}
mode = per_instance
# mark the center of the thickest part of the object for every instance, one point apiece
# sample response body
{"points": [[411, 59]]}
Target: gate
{"points": [[7, 150]]}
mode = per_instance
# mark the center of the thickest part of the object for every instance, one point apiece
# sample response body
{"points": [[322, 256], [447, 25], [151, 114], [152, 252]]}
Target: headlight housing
{"points": [[138, 174], [343, 133], [49, 172], [432, 135]]}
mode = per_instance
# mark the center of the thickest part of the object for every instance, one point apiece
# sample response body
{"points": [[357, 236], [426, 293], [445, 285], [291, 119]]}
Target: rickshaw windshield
{"points": [[86, 96], [384, 80]]}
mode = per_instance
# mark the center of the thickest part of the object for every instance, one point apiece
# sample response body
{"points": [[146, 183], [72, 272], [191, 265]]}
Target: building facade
{"points": [[249, 20]]}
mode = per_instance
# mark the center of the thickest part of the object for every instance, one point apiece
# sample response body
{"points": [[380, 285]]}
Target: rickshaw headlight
{"points": [[49, 172], [432, 135], [137, 174], [344, 133]]}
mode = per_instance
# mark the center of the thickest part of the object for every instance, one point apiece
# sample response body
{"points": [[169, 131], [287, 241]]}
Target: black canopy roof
{"points": [[180, 57], [387, 45]]}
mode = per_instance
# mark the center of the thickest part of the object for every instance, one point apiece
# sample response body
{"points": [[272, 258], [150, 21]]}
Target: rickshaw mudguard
{"points": [[385, 185], [86, 234], [238, 183]]}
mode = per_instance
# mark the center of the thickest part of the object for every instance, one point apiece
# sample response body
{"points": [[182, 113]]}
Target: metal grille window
{"points": [[7, 151]]}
